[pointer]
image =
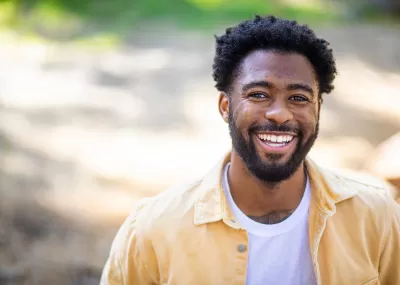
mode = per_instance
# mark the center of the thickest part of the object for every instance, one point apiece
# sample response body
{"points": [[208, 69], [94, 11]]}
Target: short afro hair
{"points": [[271, 33]]}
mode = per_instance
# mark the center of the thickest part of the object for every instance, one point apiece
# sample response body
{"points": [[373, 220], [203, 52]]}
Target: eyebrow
{"points": [[250, 85], [301, 86]]}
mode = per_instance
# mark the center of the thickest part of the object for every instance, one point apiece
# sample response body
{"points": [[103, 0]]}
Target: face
{"points": [[273, 113]]}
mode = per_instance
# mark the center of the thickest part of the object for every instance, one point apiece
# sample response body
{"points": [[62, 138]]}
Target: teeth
{"points": [[275, 144], [275, 139]]}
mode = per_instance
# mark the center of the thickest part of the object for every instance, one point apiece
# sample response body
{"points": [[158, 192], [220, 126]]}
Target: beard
{"points": [[272, 171]]}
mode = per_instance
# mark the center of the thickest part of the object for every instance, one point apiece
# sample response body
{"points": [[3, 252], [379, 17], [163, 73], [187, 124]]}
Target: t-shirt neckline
{"points": [[297, 217]]}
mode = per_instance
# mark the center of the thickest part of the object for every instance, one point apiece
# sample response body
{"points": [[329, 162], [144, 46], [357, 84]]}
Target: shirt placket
{"points": [[241, 247], [241, 244], [319, 228], [241, 258]]}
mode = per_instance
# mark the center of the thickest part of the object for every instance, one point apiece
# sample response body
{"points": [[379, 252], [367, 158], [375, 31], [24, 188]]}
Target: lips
{"points": [[274, 139], [276, 142]]}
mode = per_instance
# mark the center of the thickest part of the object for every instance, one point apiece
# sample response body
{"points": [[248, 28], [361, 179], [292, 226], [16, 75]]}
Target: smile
{"points": [[276, 143], [275, 140]]}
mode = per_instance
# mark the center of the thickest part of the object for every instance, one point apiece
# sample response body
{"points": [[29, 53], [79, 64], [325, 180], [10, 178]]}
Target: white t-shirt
{"points": [[278, 253]]}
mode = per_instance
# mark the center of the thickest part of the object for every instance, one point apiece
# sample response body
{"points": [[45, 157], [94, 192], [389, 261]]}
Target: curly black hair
{"points": [[271, 33]]}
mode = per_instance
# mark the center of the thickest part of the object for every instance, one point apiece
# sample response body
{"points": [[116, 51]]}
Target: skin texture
{"points": [[273, 217], [271, 91]]}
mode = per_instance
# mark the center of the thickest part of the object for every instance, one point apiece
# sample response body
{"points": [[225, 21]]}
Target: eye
{"points": [[258, 95], [299, 98]]}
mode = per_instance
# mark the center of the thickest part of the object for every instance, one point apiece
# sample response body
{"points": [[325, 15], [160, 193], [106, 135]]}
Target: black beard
{"points": [[272, 172]]}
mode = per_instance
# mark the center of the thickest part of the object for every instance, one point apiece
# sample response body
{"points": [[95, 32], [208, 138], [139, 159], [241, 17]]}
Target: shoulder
{"points": [[149, 226], [362, 184], [151, 219], [366, 193], [173, 210], [175, 205]]}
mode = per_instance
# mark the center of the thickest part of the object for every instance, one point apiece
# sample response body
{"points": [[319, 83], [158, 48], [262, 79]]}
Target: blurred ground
{"points": [[86, 131]]}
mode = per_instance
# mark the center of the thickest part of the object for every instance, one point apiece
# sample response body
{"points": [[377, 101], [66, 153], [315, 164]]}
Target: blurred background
{"points": [[103, 102]]}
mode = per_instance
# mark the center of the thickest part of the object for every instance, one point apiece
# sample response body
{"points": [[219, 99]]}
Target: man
{"points": [[265, 214]]}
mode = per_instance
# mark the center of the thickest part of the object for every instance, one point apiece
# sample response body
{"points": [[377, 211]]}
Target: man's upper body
{"points": [[189, 235], [270, 214]]}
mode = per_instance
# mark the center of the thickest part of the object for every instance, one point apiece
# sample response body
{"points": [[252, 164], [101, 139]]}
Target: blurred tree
{"points": [[361, 8], [391, 6], [65, 19]]}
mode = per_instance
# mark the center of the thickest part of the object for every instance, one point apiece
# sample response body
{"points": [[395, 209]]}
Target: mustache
{"points": [[273, 127]]}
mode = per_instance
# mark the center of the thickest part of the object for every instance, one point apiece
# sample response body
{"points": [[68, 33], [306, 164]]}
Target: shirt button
{"points": [[241, 248]]}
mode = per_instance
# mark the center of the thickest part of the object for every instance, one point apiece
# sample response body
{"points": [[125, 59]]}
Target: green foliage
{"points": [[122, 15]]}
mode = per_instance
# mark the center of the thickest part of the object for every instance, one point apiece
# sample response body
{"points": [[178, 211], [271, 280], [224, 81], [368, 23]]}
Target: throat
{"points": [[273, 217], [266, 203]]}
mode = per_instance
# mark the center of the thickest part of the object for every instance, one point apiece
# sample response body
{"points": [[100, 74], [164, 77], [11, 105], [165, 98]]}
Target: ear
{"points": [[319, 105], [223, 106], [320, 101]]}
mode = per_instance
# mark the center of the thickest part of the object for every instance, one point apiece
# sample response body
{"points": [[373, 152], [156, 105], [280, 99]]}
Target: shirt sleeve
{"points": [[131, 260], [389, 266]]}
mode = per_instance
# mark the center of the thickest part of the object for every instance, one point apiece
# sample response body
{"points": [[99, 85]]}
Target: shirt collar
{"points": [[327, 189]]}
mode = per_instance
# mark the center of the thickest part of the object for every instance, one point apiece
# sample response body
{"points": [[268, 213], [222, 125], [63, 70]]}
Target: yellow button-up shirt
{"points": [[189, 236]]}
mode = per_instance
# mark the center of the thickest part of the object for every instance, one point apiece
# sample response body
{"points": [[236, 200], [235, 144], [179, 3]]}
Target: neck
{"points": [[257, 198]]}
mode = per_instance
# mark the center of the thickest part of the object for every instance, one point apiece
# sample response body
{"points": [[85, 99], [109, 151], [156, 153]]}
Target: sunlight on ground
{"points": [[362, 87], [341, 151], [388, 164]]}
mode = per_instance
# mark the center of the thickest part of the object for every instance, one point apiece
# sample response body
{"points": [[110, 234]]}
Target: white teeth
{"points": [[275, 139]]}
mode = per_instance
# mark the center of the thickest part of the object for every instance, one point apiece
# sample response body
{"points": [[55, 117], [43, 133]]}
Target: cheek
{"points": [[308, 119], [245, 115]]}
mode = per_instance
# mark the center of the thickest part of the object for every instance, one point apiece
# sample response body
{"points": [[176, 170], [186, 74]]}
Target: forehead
{"points": [[276, 66]]}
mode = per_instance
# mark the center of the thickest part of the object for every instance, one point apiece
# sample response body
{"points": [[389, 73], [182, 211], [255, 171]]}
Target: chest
{"points": [[211, 254], [217, 254], [348, 254], [282, 259]]}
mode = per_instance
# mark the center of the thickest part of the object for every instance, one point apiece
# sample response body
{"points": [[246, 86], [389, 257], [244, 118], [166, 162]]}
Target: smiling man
{"points": [[266, 214]]}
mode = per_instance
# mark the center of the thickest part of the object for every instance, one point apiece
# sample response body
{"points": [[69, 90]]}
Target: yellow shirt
{"points": [[189, 236]]}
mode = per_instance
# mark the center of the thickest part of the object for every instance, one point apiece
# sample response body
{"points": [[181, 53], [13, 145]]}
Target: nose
{"points": [[278, 112]]}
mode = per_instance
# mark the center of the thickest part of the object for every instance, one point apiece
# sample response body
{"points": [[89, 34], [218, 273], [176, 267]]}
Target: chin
{"points": [[275, 158]]}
